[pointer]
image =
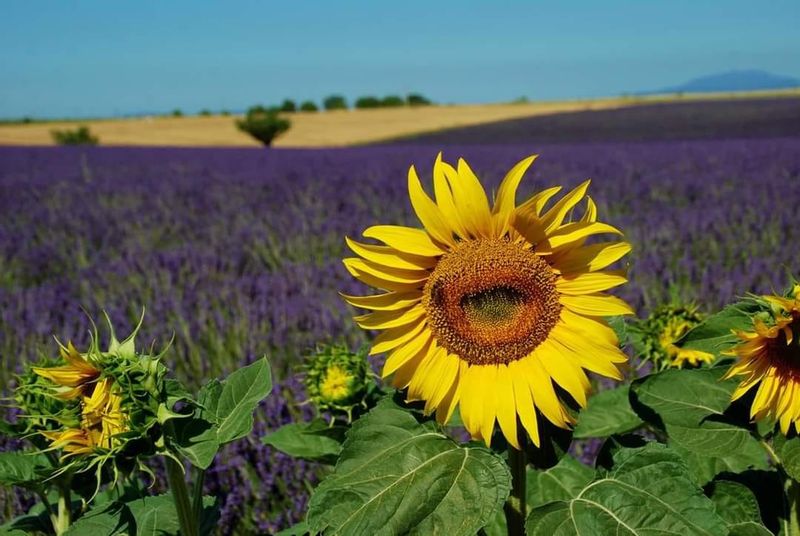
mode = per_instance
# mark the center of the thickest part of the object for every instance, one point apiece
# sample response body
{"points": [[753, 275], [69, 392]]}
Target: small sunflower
{"points": [[491, 308], [101, 420], [659, 332], [769, 356], [78, 374]]}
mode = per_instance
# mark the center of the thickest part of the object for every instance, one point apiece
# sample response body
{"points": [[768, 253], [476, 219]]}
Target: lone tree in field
{"points": [[288, 105], [78, 136], [263, 124], [308, 106]]}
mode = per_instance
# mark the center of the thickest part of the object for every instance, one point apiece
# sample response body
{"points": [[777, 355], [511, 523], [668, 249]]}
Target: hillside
{"points": [[756, 118]]}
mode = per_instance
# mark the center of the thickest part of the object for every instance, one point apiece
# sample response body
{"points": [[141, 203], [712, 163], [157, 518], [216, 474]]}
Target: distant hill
{"points": [[744, 80]]}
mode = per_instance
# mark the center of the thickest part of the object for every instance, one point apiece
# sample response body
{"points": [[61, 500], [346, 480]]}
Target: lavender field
{"points": [[238, 253]]}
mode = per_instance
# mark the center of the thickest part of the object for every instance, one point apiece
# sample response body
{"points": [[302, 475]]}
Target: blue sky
{"points": [[94, 58]]}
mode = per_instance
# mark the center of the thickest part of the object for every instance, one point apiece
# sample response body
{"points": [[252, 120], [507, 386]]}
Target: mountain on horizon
{"points": [[741, 80]]}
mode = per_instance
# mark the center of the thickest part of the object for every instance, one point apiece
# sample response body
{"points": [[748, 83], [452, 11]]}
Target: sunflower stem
{"points": [[793, 496], [515, 507], [64, 510], [180, 494]]}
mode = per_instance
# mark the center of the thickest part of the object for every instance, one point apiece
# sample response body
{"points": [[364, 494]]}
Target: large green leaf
{"points": [[316, 440], [25, 469], [607, 413], [399, 473], [648, 491], [690, 406], [714, 335], [704, 468], [239, 397], [559, 483], [738, 507]]}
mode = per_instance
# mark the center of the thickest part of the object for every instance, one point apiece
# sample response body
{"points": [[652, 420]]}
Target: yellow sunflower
{"points": [[78, 373], [770, 356], [101, 419], [491, 307]]}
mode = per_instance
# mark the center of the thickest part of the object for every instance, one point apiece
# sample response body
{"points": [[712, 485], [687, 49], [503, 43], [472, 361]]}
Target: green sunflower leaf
{"points": [[399, 473], [25, 469], [788, 451], [714, 334], [316, 440], [648, 491], [738, 507], [146, 515], [239, 397], [607, 413], [704, 468], [692, 407]]}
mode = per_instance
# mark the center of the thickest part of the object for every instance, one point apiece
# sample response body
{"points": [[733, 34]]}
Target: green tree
{"points": [[334, 102], [263, 124], [78, 136], [368, 102], [308, 106], [288, 106], [415, 99], [392, 101]]}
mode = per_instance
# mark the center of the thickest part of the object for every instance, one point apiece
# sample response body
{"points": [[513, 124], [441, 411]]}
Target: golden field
{"points": [[326, 129]]}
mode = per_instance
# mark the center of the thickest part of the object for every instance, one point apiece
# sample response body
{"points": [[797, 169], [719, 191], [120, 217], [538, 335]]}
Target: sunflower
{"points": [[78, 374], [490, 308], [102, 419], [660, 331], [769, 356]]}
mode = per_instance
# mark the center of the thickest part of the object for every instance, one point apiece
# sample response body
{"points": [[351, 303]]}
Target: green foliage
{"points": [[714, 335], [415, 99], [654, 337], [334, 102], [288, 105], [263, 124], [177, 112], [393, 456], [647, 491], [316, 440], [205, 113], [690, 406], [308, 106], [77, 136], [24, 469], [224, 413], [607, 413], [392, 101], [738, 507], [368, 102]]}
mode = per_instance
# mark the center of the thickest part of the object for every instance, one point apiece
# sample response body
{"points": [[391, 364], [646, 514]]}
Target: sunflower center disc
{"points": [[490, 301]]}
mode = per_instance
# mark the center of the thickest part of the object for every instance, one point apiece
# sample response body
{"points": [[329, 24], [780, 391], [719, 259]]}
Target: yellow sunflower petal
{"points": [[391, 301], [442, 375], [597, 305], [471, 397], [559, 364], [405, 239], [589, 283], [427, 211], [471, 202], [392, 338], [487, 375], [403, 375], [590, 258], [524, 402], [571, 235], [536, 202], [389, 319], [444, 195], [403, 354], [390, 257], [447, 406], [506, 406], [554, 218], [543, 393], [506, 199], [387, 279]]}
